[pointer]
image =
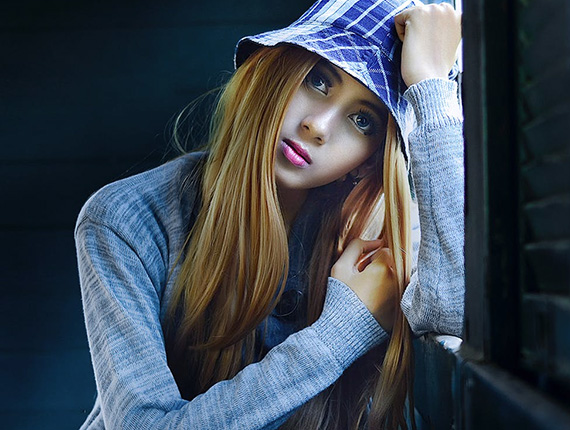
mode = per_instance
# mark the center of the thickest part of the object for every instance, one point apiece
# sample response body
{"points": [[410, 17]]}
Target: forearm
{"points": [[434, 299], [136, 388], [307, 362]]}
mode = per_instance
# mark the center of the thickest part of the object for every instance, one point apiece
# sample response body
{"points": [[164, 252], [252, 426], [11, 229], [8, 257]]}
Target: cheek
{"points": [[369, 148], [360, 152], [351, 158], [295, 109]]}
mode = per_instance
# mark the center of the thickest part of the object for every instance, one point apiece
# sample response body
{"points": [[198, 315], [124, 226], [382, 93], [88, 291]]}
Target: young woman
{"points": [[262, 284]]}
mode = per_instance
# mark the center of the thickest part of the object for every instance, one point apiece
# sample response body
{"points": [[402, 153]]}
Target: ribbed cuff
{"points": [[346, 326], [435, 102]]}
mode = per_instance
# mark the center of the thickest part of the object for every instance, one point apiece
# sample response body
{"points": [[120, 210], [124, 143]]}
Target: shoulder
{"points": [[157, 196]]}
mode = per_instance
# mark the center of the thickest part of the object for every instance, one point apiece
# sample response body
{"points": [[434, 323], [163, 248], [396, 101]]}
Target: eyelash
{"points": [[317, 74], [327, 83], [370, 117]]}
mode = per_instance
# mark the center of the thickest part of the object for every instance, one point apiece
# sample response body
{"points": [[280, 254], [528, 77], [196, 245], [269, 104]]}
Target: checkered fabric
{"points": [[358, 36]]}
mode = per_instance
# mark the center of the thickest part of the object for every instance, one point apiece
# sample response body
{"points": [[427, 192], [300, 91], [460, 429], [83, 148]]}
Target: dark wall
{"points": [[87, 89]]}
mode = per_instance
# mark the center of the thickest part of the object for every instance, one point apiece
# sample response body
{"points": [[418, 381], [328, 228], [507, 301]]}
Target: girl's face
{"points": [[332, 125]]}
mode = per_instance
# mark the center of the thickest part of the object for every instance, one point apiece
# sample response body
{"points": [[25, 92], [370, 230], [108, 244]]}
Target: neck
{"points": [[291, 202]]}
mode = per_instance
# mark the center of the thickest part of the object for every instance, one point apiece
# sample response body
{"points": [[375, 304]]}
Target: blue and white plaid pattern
{"points": [[356, 35]]}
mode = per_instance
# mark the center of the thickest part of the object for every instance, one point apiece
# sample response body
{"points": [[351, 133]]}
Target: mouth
{"points": [[295, 153]]}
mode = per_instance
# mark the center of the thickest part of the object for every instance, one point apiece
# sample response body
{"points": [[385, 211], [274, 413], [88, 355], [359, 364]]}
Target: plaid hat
{"points": [[358, 36]]}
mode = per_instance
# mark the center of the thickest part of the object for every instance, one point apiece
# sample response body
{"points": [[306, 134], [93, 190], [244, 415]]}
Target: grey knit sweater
{"points": [[129, 235]]}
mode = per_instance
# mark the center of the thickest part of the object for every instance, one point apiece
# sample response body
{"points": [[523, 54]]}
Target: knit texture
{"points": [[130, 234], [434, 299]]}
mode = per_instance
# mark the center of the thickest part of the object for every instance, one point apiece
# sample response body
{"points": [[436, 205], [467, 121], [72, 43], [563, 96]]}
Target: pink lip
{"points": [[295, 153]]}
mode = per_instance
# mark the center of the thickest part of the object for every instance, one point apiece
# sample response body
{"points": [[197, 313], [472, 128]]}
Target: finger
{"points": [[446, 7], [353, 252], [366, 259], [384, 256], [380, 259], [400, 22], [378, 271], [385, 253]]}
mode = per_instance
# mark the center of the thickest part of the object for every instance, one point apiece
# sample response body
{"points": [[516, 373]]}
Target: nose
{"points": [[317, 125]]}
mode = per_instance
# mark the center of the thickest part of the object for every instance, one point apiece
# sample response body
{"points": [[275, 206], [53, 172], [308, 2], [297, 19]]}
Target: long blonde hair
{"points": [[236, 259]]}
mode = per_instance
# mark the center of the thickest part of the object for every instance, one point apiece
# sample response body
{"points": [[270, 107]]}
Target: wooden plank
{"points": [[545, 337], [548, 90], [544, 113], [496, 400], [545, 179], [500, 166], [433, 381], [547, 266], [541, 23], [548, 219], [546, 135], [476, 189]]}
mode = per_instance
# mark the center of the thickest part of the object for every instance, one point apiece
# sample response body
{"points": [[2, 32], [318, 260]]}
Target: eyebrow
{"points": [[378, 109], [330, 68]]}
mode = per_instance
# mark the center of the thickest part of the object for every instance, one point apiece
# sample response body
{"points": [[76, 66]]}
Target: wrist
{"points": [[436, 72], [435, 98], [346, 326]]}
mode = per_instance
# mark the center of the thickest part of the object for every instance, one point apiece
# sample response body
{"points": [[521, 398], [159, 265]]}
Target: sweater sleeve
{"points": [[434, 299], [135, 386]]}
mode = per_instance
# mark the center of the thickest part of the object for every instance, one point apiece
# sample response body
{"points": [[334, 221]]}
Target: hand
{"points": [[430, 36], [367, 268]]}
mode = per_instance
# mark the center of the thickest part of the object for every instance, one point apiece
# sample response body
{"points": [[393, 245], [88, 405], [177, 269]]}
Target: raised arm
{"points": [[433, 301], [434, 298]]}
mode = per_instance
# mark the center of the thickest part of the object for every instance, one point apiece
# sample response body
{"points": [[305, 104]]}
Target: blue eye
{"points": [[364, 122], [318, 81]]}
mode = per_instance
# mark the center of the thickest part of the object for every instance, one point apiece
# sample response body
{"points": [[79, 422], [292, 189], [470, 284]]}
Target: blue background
{"points": [[87, 89]]}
